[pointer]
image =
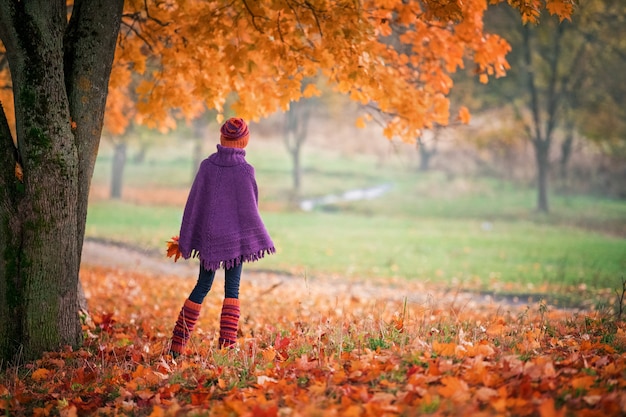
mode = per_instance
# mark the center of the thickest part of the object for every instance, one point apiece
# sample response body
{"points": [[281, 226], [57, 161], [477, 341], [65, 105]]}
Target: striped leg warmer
{"points": [[229, 322], [187, 319]]}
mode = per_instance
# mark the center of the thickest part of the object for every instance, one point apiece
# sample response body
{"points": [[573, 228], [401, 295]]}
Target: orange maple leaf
{"points": [[548, 409], [40, 374], [561, 8], [172, 248], [464, 115], [454, 388], [444, 349]]}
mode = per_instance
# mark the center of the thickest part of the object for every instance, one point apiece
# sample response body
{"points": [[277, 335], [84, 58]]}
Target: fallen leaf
{"points": [[40, 374]]}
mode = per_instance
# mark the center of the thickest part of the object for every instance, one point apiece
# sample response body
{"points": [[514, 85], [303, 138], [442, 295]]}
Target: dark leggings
{"points": [[205, 282]]}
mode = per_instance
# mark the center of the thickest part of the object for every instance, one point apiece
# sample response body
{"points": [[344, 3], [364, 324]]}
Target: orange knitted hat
{"points": [[234, 133]]}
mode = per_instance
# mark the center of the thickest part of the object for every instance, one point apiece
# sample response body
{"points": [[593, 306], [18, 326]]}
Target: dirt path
{"points": [[106, 254], [99, 253]]}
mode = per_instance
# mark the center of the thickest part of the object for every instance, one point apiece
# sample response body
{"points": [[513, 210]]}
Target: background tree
{"points": [[427, 148], [598, 99], [186, 53], [123, 123], [554, 65], [294, 134]]}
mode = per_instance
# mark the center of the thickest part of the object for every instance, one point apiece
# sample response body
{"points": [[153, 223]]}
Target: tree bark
{"points": [[59, 83]]}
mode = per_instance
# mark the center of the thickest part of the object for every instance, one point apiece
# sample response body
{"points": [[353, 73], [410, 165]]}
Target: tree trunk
{"points": [[199, 134], [542, 149], [425, 153], [542, 139], [117, 172], [60, 75], [295, 134], [425, 156], [297, 168], [566, 152]]}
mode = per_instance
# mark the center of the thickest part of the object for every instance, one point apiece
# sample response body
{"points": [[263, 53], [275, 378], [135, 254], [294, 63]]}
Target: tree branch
{"points": [[301, 26], [253, 16], [154, 19], [138, 19], [137, 32], [317, 21]]}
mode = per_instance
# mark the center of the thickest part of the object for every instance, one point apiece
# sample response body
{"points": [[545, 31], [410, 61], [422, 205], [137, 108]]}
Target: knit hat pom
{"points": [[234, 133]]}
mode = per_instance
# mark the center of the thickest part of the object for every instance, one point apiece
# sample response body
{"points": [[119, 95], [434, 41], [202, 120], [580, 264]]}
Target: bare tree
{"points": [[295, 134]]}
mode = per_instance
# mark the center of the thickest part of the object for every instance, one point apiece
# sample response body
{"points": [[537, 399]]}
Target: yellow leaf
{"points": [[562, 8], [352, 411], [40, 374], [464, 115], [139, 372], [547, 409], [269, 354], [157, 412], [454, 388], [485, 395], [311, 90], [444, 349], [360, 123], [70, 411], [583, 382]]}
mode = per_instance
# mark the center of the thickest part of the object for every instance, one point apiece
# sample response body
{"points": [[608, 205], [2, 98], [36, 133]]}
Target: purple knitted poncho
{"points": [[221, 223]]}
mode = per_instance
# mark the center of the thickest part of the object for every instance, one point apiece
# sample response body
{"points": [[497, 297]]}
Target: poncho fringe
{"points": [[253, 257]]}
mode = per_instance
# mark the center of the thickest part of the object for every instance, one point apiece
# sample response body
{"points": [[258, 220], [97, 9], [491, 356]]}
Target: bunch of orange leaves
{"points": [[173, 249]]}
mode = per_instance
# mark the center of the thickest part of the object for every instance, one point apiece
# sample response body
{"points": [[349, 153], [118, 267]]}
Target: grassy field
{"points": [[478, 233]]}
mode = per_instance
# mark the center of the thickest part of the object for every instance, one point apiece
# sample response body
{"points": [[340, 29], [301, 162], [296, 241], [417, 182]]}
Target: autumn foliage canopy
{"points": [[177, 58], [398, 55]]}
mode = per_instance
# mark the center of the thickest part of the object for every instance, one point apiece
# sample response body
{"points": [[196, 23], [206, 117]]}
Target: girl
{"points": [[222, 226]]}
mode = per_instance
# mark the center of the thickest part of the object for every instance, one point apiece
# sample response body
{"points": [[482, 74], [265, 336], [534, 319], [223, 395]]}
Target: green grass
{"points": [[433, 249], [479, 232], [146, 227]]}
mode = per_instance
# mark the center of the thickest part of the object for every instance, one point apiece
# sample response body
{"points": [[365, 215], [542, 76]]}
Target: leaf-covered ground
{"points": [[324, 347]]}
